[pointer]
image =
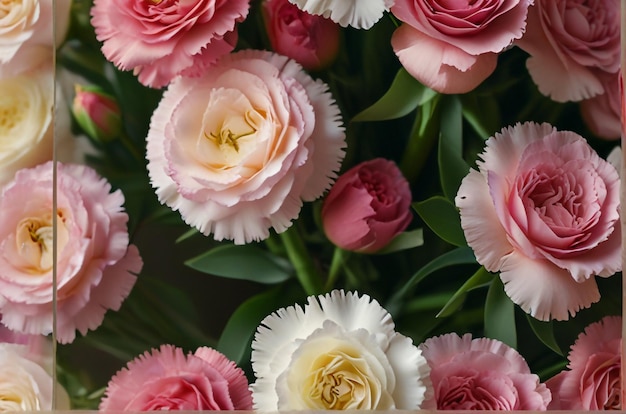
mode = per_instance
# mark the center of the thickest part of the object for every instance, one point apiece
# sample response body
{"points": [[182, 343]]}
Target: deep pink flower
{"points": [[571, 43], [95, 264], [167, 379], [481, 374], [452, 46], [238, 150], [310, 40], [602, 112], [543, 210], [367, 207], [162, 39], [593, 379], [97, 113]]}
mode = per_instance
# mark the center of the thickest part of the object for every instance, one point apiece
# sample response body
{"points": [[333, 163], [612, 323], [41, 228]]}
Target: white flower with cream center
{"points": [[338, 353]]}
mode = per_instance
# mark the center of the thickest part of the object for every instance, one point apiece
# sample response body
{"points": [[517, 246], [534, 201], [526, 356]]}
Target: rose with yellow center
{"points": [[338, 353], [96, 267], [238, 150]]}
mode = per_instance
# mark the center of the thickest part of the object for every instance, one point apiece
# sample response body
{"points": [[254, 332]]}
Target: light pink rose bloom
{"points": [[238, 150], [543, 210], [452, 46], [167, 379], [367, 207], [593, 379], [160, 40], [481, 374], [95, 264], [28, 23], [310, 40], [602, 112], [571, 43]]}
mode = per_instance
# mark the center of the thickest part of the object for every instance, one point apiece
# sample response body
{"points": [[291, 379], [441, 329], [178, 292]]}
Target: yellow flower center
{"points": [[336, 382], [12, 112], [34, 239], [6, 6]]}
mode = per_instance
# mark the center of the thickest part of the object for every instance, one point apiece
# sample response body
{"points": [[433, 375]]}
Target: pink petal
{"points": [[439, 65], [544, 290], [483, 232]]}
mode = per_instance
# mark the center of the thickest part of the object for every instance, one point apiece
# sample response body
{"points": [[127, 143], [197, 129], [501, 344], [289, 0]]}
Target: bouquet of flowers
{"points": [[310, 205]]}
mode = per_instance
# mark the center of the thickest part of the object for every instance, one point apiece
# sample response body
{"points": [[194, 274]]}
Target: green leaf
{"points": [[403, 96], [242, 262], [458, 256], [545, 333], [482, 113], [442, 217], [500, 315], [452, 166], [239, 331], [403, 241], [186, 235], [481, 278]]}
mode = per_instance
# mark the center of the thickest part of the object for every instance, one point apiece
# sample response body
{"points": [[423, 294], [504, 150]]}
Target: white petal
{"points": [[361, 14]]}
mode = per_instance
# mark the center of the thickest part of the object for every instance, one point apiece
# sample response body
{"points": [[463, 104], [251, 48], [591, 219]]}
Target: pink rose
{"points": [[481, 374], [160, 40], [543, 210], [602, 112], [452, 46], [593, 381], [167, 379], [238, 150], [312, 41], [95, 264], [571, 44], [367, 207]]}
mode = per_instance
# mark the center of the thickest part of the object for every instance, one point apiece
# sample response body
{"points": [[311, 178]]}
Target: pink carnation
{"points": [[167, 379], [593, 379], [367, 207], [543, 210], [95, 264], [310, 40], [481, 374], [571, 44], [452, 46], [162, 39], [238, 150]]}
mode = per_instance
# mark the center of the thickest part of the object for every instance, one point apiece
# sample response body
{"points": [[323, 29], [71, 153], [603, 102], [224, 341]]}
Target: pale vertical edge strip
{"points": [[54, 209], [623, 195]]}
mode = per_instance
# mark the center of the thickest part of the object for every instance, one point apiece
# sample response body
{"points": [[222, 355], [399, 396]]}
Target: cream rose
{"points": [[24, 384], [25, 23], [26, 128]]}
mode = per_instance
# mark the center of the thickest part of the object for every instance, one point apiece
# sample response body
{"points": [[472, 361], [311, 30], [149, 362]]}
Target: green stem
{"points": [[423, 136], [302, 262], [127, 143], [335, 268]]}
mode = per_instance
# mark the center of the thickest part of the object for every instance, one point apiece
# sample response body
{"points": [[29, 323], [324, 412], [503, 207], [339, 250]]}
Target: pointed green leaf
{"points": [[500, 315], [458, 256], [239, 330], [403, 96], [452, 166], [246, 262], [442, 217], [403, 241], [479, 279], [545, 333]]}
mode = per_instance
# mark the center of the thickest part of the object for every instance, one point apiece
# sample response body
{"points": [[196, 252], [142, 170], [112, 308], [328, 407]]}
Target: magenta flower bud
{"points": [[367, 207], [97, 113], [310, 40]]}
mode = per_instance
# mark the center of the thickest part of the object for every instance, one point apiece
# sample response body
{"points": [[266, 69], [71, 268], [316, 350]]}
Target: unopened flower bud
{"points": [[97, 113]]}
